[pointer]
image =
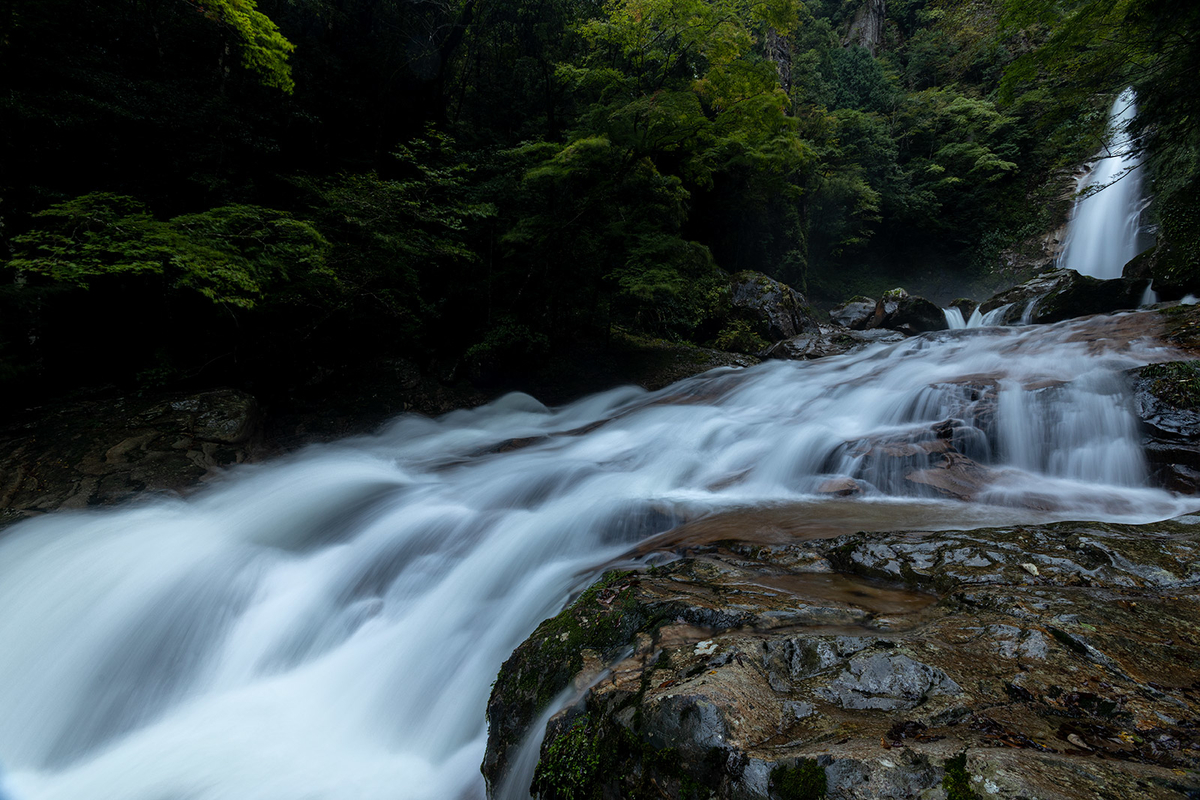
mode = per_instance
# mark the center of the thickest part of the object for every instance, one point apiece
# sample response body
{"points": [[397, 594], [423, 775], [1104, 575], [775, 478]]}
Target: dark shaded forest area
{"points": [[204, 192]]}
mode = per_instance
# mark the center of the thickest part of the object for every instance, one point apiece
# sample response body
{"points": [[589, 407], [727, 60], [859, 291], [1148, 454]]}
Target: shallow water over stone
{"points": [[329, 626]]}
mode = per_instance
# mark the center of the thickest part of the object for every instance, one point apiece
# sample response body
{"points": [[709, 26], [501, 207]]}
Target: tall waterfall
{"points": [[327, 627], [1102, 236]]}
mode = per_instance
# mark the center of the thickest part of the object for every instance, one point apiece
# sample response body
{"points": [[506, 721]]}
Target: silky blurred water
{"points": [[1102, 235], [328, 626]]}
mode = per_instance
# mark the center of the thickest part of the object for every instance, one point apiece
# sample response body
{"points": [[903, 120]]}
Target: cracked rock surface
{"points": [[1061, 661]]}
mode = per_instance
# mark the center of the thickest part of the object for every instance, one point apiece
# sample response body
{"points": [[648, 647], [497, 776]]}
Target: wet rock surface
{"points": [[775, 310], [1062, 294], [855, 314], [829, 340], [101, 452], [1050, 661], [1167, 399], [899, 311]]}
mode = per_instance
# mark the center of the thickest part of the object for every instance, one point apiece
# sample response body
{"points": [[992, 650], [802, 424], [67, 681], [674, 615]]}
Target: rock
{"points": [[1167, 400], [1062, 294], [966, 306], [104, 451], [899, 311], [886, 681], [855, 314], [1074, 679], [1173, 273], [829, 340], [775, 310]]}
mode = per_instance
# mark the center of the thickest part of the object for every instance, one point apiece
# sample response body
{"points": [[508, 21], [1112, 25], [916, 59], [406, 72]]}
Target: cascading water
{"points": [[328, 627], [955, 321], [1102, 236]]}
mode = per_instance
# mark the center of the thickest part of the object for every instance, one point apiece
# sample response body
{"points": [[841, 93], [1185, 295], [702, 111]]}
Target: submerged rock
{"points": [[744, 669]]}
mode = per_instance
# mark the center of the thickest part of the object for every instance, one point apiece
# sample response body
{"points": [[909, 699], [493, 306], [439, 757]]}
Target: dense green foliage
{"points": [[225, 190]]}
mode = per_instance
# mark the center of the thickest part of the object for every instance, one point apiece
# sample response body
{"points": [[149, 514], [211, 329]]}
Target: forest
{"points": [[224, 192]]}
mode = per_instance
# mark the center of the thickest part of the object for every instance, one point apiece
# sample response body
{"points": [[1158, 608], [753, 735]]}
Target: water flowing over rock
{"points": [[328, 626], [1062, 294]]}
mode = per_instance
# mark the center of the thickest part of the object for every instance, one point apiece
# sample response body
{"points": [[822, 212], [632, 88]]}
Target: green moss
{"points": [[568, 770], [957, 781], [596, 757], [739, 337], [1177, 383], [804, 781]]}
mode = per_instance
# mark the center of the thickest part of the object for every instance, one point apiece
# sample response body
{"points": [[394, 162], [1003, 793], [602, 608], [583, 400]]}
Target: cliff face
{"points": [[867, 27]]}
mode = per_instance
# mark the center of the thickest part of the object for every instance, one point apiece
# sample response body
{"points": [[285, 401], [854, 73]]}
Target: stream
{"points": [[328, 626]]}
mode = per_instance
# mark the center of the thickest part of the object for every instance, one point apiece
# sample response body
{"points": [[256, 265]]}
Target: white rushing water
{"points": [[1102, 236], [327, 627], [955, 321]]}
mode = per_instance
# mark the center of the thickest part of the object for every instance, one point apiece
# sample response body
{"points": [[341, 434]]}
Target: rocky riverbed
{"points": [[1051, 661]]}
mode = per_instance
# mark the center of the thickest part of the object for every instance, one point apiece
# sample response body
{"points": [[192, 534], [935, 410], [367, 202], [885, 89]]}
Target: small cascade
{"points": [[991, 318], [1149, 297], [1027, 314], [955, 320], [1103, 231]]}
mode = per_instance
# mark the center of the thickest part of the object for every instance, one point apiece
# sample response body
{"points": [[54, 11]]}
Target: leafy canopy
{"points": [[264, 49], [231, 255]]}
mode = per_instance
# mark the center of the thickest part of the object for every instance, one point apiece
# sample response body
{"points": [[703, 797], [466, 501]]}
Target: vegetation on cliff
{"points": [[269, 189]]}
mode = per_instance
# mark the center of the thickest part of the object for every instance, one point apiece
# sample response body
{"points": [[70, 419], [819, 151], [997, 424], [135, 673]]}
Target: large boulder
{"points": [[774, 310], [1173, 273], [856, 314], [1028, 661], [1167, 399], [1062, 294], [899, 311]]}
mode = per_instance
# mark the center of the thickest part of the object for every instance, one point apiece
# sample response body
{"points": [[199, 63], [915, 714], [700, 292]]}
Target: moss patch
{"points": [[568, 770], [1176, 383], [957, 781], [804, 781]]}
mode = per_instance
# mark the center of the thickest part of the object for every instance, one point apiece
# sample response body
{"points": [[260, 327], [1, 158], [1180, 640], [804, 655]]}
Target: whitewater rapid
{"points": [[328, 626]]}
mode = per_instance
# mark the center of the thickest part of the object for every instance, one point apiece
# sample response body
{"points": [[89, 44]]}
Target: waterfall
{"points": [[328, 626], [955, 321], [954, 318], [1103, 231]]}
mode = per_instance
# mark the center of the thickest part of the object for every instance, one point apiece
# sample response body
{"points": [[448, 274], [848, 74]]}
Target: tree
{"points": [[264, 49]]}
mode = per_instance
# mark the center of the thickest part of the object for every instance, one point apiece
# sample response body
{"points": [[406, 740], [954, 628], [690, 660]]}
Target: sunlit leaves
{"points": [[264, 49]]}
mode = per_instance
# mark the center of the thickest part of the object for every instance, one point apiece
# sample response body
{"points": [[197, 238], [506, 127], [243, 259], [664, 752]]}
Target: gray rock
{"points": [[829, 340], [775, 310], [1062, 294], [856, 314], [886, 681]]}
